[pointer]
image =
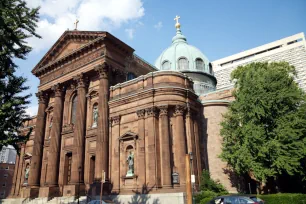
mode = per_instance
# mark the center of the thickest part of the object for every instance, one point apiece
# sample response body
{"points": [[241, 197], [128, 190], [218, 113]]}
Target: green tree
{"points": [[264, 131], [17, 23]]}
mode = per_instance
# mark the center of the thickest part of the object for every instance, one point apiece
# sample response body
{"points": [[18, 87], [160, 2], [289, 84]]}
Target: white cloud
{"points": [[159, 25], [59, 15], [32, 110], [130, 32]]}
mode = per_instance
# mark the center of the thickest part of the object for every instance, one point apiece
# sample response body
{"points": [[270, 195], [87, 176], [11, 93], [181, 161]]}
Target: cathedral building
{"points": [[106, 115]]}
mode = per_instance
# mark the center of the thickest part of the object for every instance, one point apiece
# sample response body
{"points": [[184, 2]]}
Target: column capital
{"points": [[152, 111], [58, 90], [141, 113], [179, 110], [42, 97], [115, 120], [81, 80], [103, 70], [163, 110]]}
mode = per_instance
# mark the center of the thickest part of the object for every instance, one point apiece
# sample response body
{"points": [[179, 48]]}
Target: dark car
{"points": [[236, 199]]}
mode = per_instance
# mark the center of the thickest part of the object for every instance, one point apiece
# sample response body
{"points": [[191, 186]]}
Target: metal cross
{"points": [[76, 24], [177, 18]]}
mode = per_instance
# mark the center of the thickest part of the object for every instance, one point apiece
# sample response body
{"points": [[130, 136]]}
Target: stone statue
{"points": [[26, 175], [130, 161], [95, 116], [50, 127]]}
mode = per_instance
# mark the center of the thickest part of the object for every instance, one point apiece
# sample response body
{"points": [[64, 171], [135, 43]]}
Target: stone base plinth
{"points": [[73, 190], [30, 192], [53, 191]]}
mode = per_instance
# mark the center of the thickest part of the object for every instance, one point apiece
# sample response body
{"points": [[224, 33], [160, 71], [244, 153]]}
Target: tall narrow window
{"points": [[67, 172], [131, 76], [73, 109], [166, 65], [199, 64], [92, 169], [183, 64]]}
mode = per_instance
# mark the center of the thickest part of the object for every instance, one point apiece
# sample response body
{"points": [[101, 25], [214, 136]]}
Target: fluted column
{"points": [[79, 131], [36, 160], [165, 145], [115, 153], [179, 143], [102, 136], [150, 146], [197, 147], [20, 169], [12, 193], [55, 140], [141, 161]]}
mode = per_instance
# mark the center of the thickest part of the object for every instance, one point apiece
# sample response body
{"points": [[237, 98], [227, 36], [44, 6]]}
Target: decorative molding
{"points": [[67, 128], [42, 97], [115, 120], [179, 110], [141, 113], [58, 90], [81, 80], [163, 110], [103, 70], [151, 112]]}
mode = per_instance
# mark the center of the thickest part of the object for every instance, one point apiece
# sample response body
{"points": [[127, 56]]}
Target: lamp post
{"points": [[80, 169], [192, 175]]}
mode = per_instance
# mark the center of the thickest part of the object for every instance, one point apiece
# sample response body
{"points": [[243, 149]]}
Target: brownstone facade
{"points": [[91, 117]]}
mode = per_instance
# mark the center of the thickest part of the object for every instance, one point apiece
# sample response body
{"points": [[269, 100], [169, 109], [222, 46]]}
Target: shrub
{"points": [[284, 198], [208, 184]]}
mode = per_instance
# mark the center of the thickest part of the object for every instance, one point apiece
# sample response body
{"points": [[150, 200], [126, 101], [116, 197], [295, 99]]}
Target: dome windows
{"points": [[199, 64], [166, 65], [183, 64]]}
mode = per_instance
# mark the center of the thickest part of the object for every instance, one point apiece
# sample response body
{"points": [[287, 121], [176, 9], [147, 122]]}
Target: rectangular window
{"points": [[4, 185], [69, 167], [5, 175]]}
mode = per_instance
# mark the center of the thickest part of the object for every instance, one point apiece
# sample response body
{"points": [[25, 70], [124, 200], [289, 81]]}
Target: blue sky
{"points": [[219, 28]]}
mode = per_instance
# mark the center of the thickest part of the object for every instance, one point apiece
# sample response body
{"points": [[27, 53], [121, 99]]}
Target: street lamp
{"points": [[80, 169], [192, 175]]}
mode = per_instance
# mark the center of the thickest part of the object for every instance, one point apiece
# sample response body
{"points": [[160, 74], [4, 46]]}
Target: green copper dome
{"points": [[182, 57]]}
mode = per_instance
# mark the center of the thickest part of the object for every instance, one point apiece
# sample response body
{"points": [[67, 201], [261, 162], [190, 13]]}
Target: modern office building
{"points": [[8, 155]]}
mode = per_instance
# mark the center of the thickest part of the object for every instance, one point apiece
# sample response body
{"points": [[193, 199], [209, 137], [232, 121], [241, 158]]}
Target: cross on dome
{"points": [[76, 24], [177, 25]]}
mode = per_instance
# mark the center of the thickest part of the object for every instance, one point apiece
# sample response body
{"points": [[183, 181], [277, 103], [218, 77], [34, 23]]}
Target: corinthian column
{"points": [[79, 131], [55, 140], [179, 143], [165, 145], [115, 170], [102, 136], [35, 168], [141, 163]]}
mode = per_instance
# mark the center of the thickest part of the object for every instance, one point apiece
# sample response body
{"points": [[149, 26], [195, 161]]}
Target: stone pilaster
{"points": [[141, 161], [179, 143], [55, 140], [150, 146], [165, 146], [197, 148], [36, 160], [12, 193], [20, 169], [77, 171], [102, 135], [115, 162]]}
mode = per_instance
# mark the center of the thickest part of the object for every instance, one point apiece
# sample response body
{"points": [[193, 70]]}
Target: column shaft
{"points": [[115, 154], [55, 140], [102, 136], [165, 145], [36, 160], [197, 149], [12, 193], [20, 169], [141, 157], [180, 144], [77, 171]]}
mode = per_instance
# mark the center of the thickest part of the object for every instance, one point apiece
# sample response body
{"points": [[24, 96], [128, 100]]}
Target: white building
{"points": [[8, 155], [291, 49]]}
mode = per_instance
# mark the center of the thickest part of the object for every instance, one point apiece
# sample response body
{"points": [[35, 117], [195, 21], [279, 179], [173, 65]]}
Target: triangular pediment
{"points": [[66, 44], [128, 136]]}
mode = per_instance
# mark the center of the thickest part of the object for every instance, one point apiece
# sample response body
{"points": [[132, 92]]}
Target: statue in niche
{"points": [[130, 161], [26, 175], [95, 116]]}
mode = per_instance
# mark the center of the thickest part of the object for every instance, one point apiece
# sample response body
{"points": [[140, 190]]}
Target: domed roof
{"points": [[181, 56]]}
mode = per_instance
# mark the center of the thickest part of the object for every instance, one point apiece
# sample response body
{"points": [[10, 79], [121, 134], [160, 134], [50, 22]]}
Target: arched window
{"points": [[166, 65], [183, 64], [73, 109], [210, 70], [199, 64]]}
